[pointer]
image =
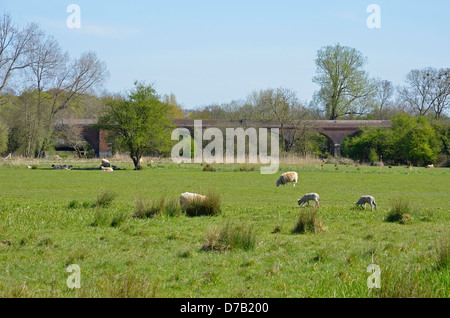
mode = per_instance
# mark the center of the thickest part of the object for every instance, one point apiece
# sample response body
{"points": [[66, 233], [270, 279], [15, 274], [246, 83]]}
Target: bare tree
{"points": [[385, 91], [77, 78], [14, 45], [72, 136], [441, 91], [418, 93], [282, 105]]}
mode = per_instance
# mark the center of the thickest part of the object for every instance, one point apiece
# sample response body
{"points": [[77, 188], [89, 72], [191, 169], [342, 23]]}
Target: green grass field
{"points": [[41, 233]]}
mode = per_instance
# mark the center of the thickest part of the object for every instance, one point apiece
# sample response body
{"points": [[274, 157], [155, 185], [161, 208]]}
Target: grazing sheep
{"points": [[308, 197], [287, 177], [430, 166], [105, 163], [367, 199], [107, 169], [59, 167], [187, 197]]}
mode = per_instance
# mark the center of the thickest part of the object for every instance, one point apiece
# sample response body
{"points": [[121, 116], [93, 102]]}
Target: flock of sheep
{"points": [[187, 197], [285, 178], [293, 177]]}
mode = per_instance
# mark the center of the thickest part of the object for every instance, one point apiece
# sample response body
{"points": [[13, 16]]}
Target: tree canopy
{"points": [[138, 122], [342, 80]]}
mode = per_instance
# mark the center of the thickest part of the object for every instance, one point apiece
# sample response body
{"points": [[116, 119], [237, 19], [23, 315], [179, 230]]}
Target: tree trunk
{"points": [[136, 161]]}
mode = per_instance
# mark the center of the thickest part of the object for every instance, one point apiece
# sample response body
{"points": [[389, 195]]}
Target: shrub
{"points": [[105, 198], [400, 212], [208, 207], [308, 221], [229, 237]]}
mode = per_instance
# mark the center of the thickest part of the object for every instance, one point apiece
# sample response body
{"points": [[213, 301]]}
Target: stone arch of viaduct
{"points": [[334, 130]]}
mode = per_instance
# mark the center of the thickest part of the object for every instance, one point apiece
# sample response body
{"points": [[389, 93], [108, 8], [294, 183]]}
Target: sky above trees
{"points": [[216, 51]]}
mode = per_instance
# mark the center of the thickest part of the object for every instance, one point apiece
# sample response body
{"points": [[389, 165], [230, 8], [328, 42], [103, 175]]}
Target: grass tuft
{"points": [[230, 237], [308, 221], [209, 207], [399, 213], [163, 206], [105, 198], [208, 167]]}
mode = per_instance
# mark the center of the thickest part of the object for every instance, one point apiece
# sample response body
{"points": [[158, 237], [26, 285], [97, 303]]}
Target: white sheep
{"points": [[367, 199], [429, 166], [308, 197], [187, 198], [287, 177]]}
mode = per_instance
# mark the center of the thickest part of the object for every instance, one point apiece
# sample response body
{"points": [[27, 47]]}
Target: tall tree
{"points": [[342, 80], [441, 103], [139, 122], [72, 80], [427, 90], [15, 43]]}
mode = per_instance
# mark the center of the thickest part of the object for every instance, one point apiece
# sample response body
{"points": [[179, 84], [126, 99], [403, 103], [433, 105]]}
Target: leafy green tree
{"points": [[343, 82], [139, 122], [410, 140]]}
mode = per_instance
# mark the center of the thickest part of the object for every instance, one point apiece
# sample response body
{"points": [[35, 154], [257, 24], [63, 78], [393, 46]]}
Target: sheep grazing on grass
{"points": [[287, 177], [105, 163], [187, 198], [59, 167], [429, 166], [309, 197], [107, 169], [367, 199]]}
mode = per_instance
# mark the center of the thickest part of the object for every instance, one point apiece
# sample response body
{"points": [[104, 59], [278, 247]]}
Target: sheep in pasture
{"points": [[187, 198], [367, 199], [287, 177], [308, 197], [105, 163], [59, 167], [107, 169], [430, 166]]}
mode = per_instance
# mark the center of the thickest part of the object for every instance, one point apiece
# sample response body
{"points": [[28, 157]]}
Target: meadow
{"points": [[49, 220]]}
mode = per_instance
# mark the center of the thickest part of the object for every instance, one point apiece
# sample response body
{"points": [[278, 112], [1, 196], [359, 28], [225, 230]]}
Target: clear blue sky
{"points": [[216, 51]]}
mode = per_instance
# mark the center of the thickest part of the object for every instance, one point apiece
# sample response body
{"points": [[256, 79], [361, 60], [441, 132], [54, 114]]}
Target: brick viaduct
{"points": [[334, 130]]}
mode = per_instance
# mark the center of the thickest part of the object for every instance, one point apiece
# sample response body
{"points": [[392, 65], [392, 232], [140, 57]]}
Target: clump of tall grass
{"points": [[211, 206], [399, 213], [229, 237], [208, 167], [145, 209], [246, 168], [308, 221], [172, 207], [443, 253], [105, 198], [109, 218]]}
